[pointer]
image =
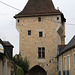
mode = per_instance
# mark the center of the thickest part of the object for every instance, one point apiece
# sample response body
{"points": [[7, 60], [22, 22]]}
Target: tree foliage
{"points": [[19, 70], [23, 63]]}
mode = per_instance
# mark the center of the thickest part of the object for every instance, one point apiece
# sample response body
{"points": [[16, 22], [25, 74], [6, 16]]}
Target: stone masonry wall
{"points": [[50, 40], [62, 65]]}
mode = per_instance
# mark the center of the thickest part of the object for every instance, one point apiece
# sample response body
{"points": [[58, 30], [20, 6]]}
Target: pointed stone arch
{"points": [[37, 70]]}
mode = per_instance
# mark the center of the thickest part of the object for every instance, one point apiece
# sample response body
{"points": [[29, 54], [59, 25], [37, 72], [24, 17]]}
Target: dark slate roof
{"points": [[69, 46], [39, 8], [60, 48], [8, 48], [7, 43], [1, 41]]}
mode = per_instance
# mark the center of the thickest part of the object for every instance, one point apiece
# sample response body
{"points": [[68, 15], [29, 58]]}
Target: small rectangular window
{"points": [[57, 18], [39, 19], [40, 34], [29, 32]]}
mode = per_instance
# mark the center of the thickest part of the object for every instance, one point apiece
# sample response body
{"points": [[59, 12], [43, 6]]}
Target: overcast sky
{"points": [[8, 30]]}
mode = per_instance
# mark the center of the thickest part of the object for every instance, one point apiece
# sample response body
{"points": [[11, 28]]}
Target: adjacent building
{"points": [[6, 64], [66, 58]]}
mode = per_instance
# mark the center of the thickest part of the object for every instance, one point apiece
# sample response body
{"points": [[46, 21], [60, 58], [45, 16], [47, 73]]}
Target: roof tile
{"points": [[38, 8]]}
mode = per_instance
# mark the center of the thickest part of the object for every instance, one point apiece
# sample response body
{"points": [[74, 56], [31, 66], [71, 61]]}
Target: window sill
{"points": [[41, 58]]}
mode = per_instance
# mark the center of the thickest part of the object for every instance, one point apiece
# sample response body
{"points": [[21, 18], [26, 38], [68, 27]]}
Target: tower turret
{"points": [[41, 28]]}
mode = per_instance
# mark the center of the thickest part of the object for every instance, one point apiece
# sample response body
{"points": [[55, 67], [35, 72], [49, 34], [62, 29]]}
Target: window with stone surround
{"points": [[41, 52], [40, 34]]}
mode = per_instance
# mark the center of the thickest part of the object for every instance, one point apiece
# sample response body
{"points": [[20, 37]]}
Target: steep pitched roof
{"points": [[8, 48], [7, 43], [38, 8], [69, 46]]}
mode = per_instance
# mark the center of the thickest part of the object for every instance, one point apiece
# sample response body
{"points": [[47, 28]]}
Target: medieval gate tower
{"points": [[41, 28]]}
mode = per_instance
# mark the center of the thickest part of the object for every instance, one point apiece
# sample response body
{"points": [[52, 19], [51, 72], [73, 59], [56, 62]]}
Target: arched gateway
{"points": [[37, 70]]}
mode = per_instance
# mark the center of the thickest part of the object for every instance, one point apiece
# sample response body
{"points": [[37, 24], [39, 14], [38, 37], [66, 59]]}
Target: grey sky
{"points": [[8, 23]]}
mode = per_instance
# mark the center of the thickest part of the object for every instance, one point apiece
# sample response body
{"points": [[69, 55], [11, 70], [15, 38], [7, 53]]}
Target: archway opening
{"points": [[37, 70]]}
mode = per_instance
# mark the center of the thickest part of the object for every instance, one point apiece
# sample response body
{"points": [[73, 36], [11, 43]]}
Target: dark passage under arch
{"points": [[37, 70]]}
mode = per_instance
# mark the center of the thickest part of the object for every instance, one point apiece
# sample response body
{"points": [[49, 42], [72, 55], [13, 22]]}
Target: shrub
{"points": [[23, 63]]}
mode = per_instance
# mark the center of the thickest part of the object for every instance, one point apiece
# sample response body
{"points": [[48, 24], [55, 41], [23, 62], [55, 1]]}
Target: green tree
{"points": [[23, 63], [19, 70]]}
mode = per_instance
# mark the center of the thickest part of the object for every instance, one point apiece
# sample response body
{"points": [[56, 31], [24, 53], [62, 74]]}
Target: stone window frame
{"points": [[40, 33], [40, 30], [58, 18], [41, 52]]}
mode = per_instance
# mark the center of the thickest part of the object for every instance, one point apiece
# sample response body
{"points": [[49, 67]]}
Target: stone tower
{"points": [[41, 28]]}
